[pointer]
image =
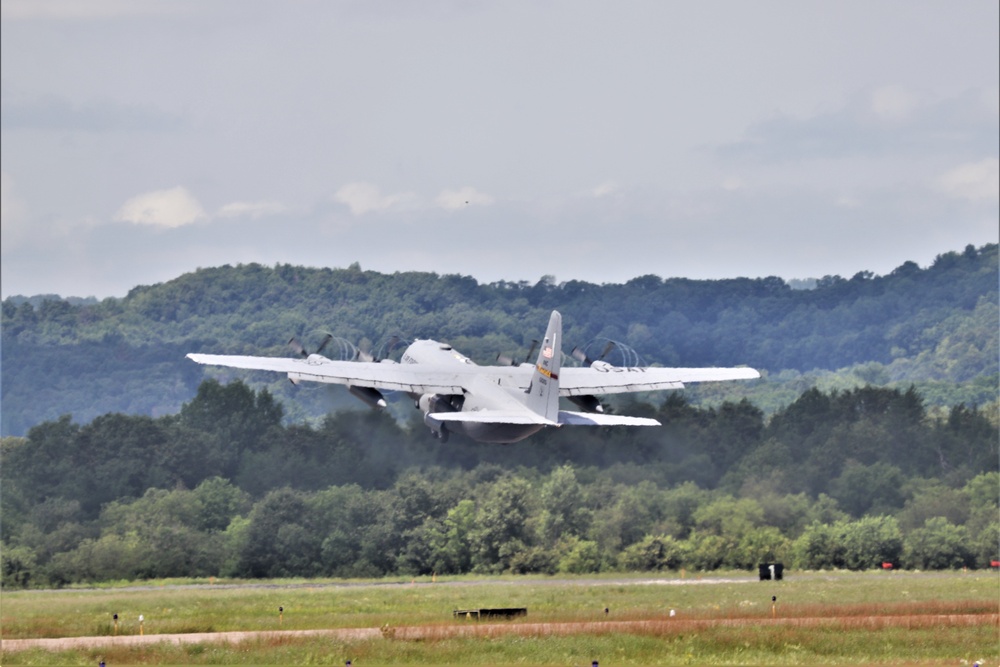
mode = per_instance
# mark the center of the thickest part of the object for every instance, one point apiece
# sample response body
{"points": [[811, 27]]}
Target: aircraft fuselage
{"points": [[482, 394]]}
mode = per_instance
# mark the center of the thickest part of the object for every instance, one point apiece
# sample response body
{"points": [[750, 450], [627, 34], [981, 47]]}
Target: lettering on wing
{"points": [[618, 369]]}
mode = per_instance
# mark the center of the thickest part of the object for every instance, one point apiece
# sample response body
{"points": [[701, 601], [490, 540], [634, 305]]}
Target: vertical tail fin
{"points": [[543, 392]]}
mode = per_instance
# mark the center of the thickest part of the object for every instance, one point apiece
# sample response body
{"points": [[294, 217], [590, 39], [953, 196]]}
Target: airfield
{"points": [[809, 618]]}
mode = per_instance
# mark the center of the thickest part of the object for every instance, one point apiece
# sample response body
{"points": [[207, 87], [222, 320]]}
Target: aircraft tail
{"points": [[543, 392]]}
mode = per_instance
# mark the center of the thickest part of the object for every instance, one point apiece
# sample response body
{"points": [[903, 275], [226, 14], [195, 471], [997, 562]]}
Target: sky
{"points": [[580, 139]]}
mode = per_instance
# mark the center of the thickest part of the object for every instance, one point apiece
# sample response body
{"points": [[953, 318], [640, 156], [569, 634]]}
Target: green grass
{"points": [[714, 647], [312, 605]]}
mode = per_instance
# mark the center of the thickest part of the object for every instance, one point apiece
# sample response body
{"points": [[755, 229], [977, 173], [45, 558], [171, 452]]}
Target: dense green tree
{"points": [[501, 528], [871, 541], [456, 551], [861, 489], [38, 467], [579, 556], [983, 492], [938, 545], [729, 516], [127, 505], [114, 457], [819, 547], [765, 544], [932, 498], [635, 513], [561, 504], [17, 566], [277, 543], [217, 502], [236, 418], [652, 553]]}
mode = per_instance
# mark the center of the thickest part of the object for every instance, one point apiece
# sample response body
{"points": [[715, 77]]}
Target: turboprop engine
{"points": [[373, 398], [434, 403], [439, 403]]}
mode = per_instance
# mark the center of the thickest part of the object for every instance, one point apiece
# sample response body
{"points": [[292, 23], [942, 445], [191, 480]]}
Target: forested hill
{"points": [[934, 325]]}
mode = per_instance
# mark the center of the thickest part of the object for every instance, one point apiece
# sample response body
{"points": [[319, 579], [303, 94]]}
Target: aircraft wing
{"points": [[391, 377], [606, 379]]}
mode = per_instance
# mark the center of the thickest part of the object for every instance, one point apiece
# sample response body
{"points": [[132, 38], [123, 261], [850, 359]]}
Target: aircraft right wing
{"points": [[606, 379], [412, 378]]}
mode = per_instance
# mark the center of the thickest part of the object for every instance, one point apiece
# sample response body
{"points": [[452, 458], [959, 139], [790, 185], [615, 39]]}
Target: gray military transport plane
{"points": [[499, 404]]}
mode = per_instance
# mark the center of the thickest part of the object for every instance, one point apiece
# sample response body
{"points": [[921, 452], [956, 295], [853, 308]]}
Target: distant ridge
{"points": [[933, 325]]}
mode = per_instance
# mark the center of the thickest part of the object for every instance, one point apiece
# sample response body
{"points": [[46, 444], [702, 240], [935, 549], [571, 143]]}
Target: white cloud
{"points": [[973, 180], [889, 121], [364, 198], [13, 213], [64, 10], [453, 200], [251, 209], [12, 209], [604, 189], [893, 102], [733, 183], [59, 113], [175, 207]]}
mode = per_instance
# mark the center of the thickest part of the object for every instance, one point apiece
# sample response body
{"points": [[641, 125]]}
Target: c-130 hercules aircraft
{"points": [[497, 404]]}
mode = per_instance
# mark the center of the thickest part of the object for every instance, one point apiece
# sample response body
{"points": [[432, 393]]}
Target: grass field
{"points": [[876, 618]]}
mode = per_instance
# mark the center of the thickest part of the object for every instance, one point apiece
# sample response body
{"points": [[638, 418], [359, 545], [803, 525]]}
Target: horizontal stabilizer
{"points": [[492, 417], [595, 419]]}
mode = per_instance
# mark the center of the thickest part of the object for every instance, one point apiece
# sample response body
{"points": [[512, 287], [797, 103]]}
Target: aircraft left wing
{"points": [[391, 377], [601, 378]]}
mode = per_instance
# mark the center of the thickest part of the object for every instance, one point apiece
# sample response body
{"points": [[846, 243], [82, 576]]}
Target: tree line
{"points": [[226, 488], [933, 326], [490, 520]]}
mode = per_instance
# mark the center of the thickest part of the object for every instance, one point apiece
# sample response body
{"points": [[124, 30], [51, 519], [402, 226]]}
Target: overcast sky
{"points": [[586, 140]]}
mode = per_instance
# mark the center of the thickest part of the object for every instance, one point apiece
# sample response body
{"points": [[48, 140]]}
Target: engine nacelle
{"points": [[587, 402], [369, 395], [440, 403]]}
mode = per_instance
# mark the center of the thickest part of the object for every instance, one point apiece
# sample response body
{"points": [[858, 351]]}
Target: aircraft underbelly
{"points": [[487, 396], [495, 433]]}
